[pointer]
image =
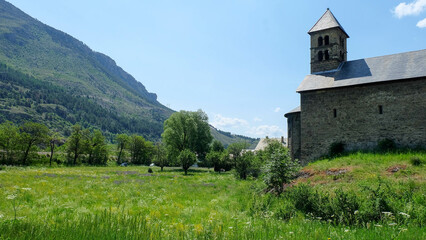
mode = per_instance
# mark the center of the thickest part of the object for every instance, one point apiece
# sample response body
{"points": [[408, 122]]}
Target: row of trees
{"points": [[18, 144]]}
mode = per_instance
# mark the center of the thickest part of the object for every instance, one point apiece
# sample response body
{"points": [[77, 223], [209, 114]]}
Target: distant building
{"points": [[357, 102], [264, 142]]}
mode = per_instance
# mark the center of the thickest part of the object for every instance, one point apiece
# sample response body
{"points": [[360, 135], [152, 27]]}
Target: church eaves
{"points": [[327, 21]]}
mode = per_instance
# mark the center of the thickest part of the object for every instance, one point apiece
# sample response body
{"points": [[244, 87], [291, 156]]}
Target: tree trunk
{"points": [[52, 147], [162, 168], [119, 156], [26, 153]]}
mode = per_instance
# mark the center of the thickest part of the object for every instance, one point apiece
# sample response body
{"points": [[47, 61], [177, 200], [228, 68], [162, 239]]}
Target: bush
{"points": [[247, 165], [187, 159], [150, 170], [416, 161], [386, 145], [336, 149], [280, 169]]}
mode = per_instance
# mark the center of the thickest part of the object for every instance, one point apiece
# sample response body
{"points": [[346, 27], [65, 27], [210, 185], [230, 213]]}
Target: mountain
{"points": [[227, 138], [48, 76]]}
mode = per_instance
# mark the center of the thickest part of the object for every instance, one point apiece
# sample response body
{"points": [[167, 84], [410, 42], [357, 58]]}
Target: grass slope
{"points": [[129, 203]]}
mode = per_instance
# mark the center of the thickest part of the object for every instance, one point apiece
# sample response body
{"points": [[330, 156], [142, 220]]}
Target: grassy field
{"points": [[130, 203]]}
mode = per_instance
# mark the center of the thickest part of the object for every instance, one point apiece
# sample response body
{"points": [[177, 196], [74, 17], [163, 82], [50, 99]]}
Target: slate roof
{"points": [[327, 21], [394, 67], [293, 111]]}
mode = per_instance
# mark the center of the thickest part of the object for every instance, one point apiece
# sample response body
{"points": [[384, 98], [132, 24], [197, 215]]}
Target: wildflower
{"points": [[346, 230], [290, 232], [392, 224], [378, 225], [404, 214], [387, 213], [11, 197], [356, 212], [248, 223], [230, 227], [26, 189], [403, 229], [1, 215]]}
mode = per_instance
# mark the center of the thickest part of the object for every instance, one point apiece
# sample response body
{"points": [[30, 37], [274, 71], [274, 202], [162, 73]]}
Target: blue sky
{"points": [[240, 61]]}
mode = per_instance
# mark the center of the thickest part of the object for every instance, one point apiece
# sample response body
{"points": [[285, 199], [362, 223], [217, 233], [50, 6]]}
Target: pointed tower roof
{"points": [[327, 21]]}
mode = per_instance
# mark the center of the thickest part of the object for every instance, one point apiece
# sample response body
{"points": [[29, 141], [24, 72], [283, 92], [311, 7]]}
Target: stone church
{"points": [[358, 102]]}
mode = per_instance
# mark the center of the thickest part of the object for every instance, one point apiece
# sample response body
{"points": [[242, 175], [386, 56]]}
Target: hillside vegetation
{"points": [[129, 203], [47, 76]]}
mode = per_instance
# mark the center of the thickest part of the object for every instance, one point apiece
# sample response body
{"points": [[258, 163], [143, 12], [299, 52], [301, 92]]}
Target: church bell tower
{"points": [[328, 44]]}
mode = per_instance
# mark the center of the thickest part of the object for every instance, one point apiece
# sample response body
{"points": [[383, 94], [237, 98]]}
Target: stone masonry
{"points": [[358, 122]]}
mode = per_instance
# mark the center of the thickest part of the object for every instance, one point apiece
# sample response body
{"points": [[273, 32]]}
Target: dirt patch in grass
{"points": [[396, 168], [336, 171]]}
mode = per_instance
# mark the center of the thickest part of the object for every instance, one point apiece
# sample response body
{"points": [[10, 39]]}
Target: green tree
{"points": [[140, 150], [76, 143], [187, 158], [235, 151], [216, 160], [247, 165], [280, 169], [54, 139], [122, 144], [217, 146], [160, 157], [9, 136], [31, 135], [187, 130], [98, 152]]}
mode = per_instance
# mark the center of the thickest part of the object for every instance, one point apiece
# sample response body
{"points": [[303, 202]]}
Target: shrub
{"points": [[247, 165], [280, 169], [336, 149], [187, 159], [150, 170], [386, 145], [416, 161]]}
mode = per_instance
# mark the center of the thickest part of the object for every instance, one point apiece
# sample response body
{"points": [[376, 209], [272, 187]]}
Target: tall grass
{"points": [[130, 203]]}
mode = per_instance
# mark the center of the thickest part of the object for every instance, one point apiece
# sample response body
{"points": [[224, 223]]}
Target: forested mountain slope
{"points": [[50, 77], [56, 78]]}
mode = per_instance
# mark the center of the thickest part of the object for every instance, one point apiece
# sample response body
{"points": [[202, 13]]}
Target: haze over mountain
{"points": [[48, 76]]}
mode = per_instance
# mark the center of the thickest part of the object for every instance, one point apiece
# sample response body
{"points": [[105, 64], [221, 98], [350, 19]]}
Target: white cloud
{"points": [[422, 23], [267, 130], [277, 109], [221, 121], [413, 8], [256, 119]]}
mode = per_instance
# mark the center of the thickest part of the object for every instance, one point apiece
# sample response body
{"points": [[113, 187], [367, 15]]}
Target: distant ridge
{"points": [[49, 76]]}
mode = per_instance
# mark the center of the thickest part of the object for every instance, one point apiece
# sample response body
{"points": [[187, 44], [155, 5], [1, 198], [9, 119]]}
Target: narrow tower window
{"points": [[326, 40], [335, 113], [320, 56], [319, 41], [380, 109], [326, 56]]}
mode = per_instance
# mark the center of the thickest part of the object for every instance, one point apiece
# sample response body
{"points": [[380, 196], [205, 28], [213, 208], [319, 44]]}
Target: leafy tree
{"points": [[160, 157], [280, 169], [216, 160], [54, 139], [247, 165], [31, 135], [187, 158], [76, 143], [235, 150], [187, 130], [140, 150], [122, 143], [98, 152], [217, 146], [9, 136]]}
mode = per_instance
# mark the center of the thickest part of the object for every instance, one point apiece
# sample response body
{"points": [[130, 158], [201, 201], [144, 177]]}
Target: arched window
{"points": [[326, 56], [320, 56], [326, 40], [319, 41]]}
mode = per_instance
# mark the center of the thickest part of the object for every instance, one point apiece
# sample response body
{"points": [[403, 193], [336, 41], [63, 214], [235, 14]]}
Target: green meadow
{"points": [[130, 203]]}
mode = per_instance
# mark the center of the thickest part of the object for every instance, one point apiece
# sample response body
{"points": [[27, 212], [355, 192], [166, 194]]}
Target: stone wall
{"points": [[293, 134], [352, 115]]}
